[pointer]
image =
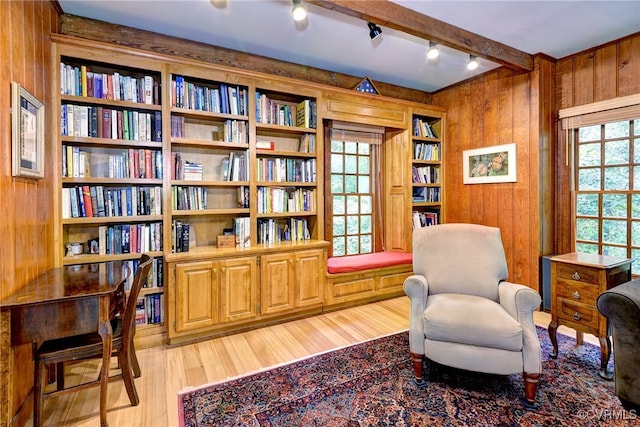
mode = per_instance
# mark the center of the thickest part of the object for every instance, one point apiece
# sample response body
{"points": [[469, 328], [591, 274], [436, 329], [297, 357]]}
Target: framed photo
{"points": [[490, 164], [27, 133]]}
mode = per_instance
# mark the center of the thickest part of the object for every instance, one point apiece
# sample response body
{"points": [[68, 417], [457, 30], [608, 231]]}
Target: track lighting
{"points": [[374, 30], [472, 64], [433, 51], [299, 12]]}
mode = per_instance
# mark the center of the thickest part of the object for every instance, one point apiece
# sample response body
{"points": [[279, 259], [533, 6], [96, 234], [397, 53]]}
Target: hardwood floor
{"points": [[166, 371]]}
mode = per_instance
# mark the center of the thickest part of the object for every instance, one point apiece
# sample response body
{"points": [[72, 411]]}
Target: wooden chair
{"points": [[89, 346]]}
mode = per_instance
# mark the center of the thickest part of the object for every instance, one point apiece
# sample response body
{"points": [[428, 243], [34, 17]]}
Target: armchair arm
{"points": [[417, 289], [520, 302]]}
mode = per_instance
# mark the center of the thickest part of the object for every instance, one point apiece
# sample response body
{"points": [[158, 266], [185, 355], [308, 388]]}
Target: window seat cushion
{"points": [[348, 264]]}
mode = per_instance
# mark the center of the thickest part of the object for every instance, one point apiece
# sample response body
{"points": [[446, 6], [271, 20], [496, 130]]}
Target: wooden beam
{"points": [[400, 18]]}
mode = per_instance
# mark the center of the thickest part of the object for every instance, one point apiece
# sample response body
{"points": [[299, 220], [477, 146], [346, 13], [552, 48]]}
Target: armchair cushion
{"points": [[472, 320]]}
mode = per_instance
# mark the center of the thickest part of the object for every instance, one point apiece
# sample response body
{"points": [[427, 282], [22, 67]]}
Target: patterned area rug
{"points": [[371, 384]]}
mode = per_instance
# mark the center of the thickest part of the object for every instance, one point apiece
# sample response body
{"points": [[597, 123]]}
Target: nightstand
{"points": [[576, 281]]}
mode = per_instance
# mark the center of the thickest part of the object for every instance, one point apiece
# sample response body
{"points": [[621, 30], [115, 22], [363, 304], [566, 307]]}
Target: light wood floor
{"points": [[166, 371]]}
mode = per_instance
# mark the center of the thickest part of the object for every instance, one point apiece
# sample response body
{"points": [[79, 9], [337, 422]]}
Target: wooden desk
{"points": [[68, 301], [576, 281]]}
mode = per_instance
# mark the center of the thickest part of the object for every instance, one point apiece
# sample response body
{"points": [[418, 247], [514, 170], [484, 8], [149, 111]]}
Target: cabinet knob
{"points": [[215, 270], [575, 276], [576, 295], [224, 269], [576, 316]]}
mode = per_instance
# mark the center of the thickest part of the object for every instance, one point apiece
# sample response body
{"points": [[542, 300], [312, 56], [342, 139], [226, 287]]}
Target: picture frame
{"points": [[497, 163], [27, 133]]}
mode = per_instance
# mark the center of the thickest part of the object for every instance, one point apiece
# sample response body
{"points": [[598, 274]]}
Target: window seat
{"points": [[363, 262]]}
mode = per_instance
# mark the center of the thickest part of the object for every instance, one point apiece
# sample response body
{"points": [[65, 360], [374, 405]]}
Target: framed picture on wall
{"points": [[27, 133], [490, 164]]}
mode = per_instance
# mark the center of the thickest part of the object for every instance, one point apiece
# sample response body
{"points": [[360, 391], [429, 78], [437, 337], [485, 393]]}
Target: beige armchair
{"points": [[464, 313]]}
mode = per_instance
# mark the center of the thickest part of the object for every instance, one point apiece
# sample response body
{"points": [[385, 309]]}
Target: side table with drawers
{"points": [[576, 281]]}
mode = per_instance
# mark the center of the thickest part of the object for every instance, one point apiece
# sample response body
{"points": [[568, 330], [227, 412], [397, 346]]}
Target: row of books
{"points": [[307, 143], [101, 122], [156, 273], [129, 238], [222, 99], [82, 81], [285, 170], [111, 163], [426, 194], [424, 219], [235, 167], [271, 231], [150, 309], [188, 198], [424, 151], [280, 200], [273, 111], [426, 174], [92, 201], [242, 230], [228, 131], [423, 129], [180, 233]]}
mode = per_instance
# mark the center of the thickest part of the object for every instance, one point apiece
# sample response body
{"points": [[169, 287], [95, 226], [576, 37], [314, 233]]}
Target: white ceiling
{"points": [[336, 42]]}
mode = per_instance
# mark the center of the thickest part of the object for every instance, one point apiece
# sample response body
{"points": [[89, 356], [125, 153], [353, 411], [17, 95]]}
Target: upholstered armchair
{"points": [[621, 306], [464, 313]]}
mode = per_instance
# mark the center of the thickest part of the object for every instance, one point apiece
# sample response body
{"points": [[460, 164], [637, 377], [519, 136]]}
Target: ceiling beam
{"points": [[400, 18]]}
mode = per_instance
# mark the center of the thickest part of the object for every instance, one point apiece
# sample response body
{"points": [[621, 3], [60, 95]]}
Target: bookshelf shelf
{"points": [[202, 212], [109, 102], [112, 219], [91, 258]]}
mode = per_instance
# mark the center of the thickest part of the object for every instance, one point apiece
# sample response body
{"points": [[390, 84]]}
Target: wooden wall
{"points": [[598, 74], [502, 107], [26, 229]]}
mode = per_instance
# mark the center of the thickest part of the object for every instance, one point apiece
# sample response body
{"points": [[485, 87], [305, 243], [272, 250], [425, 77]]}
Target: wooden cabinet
{"points": [[292, 280], [208, 293], [576, 281]]}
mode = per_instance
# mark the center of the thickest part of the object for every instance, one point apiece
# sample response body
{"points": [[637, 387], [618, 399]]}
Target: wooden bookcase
{"points": [[253, 168], [427, 167]]}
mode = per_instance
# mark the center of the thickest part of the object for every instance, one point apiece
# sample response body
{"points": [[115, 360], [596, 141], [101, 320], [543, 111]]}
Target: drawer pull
{"points": [[576, 316], [575, 276], [576, 295]]}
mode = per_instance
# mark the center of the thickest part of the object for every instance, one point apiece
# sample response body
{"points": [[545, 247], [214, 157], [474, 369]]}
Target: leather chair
{"points": [[464, 313], [621, 306], [89, 346]]}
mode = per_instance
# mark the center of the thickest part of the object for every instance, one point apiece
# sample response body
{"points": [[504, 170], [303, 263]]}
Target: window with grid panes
{"points": [[351, 204], [607, 196]]}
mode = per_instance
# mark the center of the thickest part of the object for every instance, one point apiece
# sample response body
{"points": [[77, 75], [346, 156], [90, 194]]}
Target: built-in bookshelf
{"points": [[110, 139], [210, 178], [426, 168]]}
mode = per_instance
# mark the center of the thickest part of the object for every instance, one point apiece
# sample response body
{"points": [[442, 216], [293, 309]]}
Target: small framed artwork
{"points": [[490, 164], [27, 133]]}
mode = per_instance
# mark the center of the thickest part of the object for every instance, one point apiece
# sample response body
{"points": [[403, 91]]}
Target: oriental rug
{"points": [[370, 384]]}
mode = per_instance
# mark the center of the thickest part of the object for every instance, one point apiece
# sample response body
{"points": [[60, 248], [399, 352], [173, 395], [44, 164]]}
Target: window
{"points": [[352, 203], [607, 184]]}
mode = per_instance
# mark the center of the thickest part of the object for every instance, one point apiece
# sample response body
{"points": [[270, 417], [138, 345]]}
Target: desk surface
{"points": [[68, 283]]}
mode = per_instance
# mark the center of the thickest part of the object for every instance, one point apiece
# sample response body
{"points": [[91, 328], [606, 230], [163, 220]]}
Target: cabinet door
{"points": [[310, 277], [196, 295], [276, 272], [238, 289]]}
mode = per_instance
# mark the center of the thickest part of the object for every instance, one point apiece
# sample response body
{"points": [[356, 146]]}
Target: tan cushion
{"points": [[472, 320]]}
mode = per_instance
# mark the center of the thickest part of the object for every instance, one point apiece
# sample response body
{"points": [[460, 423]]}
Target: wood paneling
{"points": [[501, 107], [25, 210], [602, 73]]}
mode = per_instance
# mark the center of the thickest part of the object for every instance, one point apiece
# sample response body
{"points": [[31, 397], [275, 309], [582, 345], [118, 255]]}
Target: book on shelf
{"points": [[265, 145], [242, 230], [307, 143], [424, 219]]}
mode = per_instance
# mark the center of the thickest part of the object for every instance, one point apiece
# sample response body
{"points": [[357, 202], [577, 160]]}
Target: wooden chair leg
{"points": [[127, 378], [38, 399], [417, 360], [530, 387], [134, 361]]}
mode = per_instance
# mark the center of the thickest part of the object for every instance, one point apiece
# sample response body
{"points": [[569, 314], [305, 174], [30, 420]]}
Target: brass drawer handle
{"points": [[576, 316], [576, 295], [575, 276]]}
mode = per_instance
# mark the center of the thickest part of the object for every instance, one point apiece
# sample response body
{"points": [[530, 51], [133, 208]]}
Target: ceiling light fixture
{"points": [[374, 30], [299, 12], [472, 64], [433, 51]]}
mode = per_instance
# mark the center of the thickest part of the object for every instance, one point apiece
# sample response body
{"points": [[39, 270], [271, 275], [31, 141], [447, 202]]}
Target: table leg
{"points": [[106, 333], [605, 353], [553, 329]]}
